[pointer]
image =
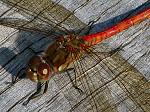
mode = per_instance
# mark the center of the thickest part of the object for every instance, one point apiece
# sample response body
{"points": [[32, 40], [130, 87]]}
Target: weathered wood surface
{"points": [[118, 83]]}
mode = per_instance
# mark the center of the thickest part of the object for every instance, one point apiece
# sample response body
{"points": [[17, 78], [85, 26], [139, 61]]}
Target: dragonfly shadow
{"points": [[15, 57], [26, 44]]}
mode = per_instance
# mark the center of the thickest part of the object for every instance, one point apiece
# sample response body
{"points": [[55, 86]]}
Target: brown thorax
{"points": [[61, 54]]}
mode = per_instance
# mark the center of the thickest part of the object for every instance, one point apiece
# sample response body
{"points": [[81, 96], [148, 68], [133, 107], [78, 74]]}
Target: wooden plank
{"points": [[117, 83]]}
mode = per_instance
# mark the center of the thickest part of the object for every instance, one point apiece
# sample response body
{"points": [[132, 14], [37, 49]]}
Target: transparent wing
{"points": [[41, 13], [109, 81], [26, 25]]}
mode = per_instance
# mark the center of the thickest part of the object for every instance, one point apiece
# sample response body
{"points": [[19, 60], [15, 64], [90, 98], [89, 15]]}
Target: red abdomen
{"points": [[93, 39]]}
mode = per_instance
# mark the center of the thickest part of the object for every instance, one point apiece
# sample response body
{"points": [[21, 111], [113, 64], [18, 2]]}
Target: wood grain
{"points": [[119, 83]]}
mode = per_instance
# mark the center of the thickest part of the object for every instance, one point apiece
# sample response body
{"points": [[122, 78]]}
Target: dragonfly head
{"points": [[38, 70]]}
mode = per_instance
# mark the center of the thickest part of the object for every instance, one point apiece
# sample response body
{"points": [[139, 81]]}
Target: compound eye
{"points": [[43, 71], [31, 75], [34, 62]]}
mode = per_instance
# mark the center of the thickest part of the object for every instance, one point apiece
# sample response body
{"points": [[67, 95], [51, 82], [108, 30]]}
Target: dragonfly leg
{"points": [[34, 95], [15, 77], [90, 25], [88, 28], [46, 87], [74, 84], [19, 75]]}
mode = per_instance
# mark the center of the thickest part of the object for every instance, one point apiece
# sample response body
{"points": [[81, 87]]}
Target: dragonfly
{"points": [[62, 54]]}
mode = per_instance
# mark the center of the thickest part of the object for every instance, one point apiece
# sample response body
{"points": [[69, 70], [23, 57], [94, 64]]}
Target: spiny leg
{"points": [[86, 30], [90, 26], [19, 75], [34, 95], [74, 57], [37, 93], [74, 84], [46, 87]]}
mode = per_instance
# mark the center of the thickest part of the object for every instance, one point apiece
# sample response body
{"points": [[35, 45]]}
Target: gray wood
{"points": [[119, 83]]}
